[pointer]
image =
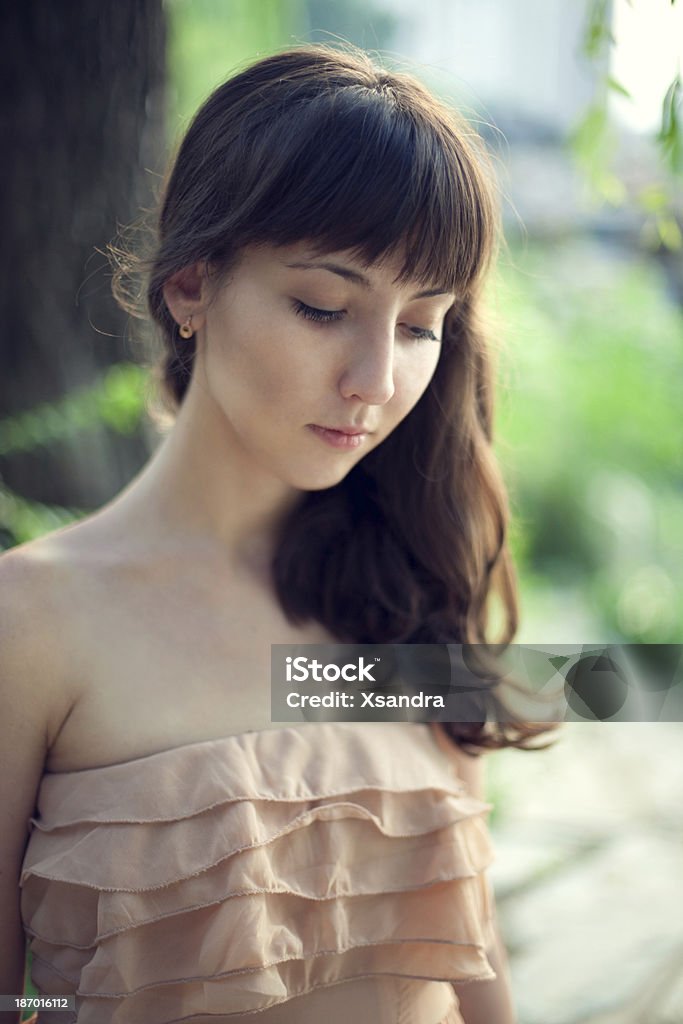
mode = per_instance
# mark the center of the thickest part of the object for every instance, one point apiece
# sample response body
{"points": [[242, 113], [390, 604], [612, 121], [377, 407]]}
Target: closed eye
{"points": [[323, 316], [326, 316], [422, 333]]}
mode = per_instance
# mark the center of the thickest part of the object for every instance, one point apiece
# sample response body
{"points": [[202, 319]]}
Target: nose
{"points": [[368, 373]]}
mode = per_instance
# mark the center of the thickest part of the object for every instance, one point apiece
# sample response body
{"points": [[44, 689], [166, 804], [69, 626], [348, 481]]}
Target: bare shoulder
{"points": [[38, 599], [34, 702]]}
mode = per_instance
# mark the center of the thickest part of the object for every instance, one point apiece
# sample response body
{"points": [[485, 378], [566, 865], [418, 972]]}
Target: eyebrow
{"points": [[356, 278]]}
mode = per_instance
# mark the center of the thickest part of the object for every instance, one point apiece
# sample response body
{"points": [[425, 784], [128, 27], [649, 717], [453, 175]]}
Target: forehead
{"points": [[349, 265]]}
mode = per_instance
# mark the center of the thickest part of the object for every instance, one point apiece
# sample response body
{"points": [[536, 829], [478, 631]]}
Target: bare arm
{"points": [[489, 1002], [484, 1002], [27, 706]]}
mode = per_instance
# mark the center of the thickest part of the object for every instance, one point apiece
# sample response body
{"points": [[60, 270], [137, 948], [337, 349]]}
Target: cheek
{"points": [[254, 369], [415, 374]]}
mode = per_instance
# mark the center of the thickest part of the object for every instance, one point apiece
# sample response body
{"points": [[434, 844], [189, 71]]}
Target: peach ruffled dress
{"points": [[319, 872]]}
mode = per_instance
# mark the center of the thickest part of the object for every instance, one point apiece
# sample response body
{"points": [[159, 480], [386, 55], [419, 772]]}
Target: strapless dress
{"points": [[319, 872]]}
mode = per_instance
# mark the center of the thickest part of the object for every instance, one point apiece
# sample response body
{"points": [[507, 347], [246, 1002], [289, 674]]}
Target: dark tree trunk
{"points": [[82, 112]]}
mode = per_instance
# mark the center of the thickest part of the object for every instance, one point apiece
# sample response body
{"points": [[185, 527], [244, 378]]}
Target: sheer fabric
{"points": [[290, 874]]}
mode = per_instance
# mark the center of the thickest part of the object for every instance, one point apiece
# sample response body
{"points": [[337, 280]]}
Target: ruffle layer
{"points": [[231, 875]]}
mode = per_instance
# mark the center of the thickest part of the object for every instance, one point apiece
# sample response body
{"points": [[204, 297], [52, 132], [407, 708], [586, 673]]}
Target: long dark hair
{"points": [[321, 145]]}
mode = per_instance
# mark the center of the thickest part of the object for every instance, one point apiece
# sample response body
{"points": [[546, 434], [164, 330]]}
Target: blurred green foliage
{"points": [[209, 39], [591, 437], [117, 401], [670, 134], [594, 140]]}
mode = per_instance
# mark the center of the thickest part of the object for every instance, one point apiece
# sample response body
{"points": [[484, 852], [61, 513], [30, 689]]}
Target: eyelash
{"points": [[326, 316], [322, 316]]}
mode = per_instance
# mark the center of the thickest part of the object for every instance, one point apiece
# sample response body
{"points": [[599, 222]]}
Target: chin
{"points": [[322, 479]]}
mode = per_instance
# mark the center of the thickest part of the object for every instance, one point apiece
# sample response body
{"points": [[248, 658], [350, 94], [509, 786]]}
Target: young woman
{"points": [[171, 853]]}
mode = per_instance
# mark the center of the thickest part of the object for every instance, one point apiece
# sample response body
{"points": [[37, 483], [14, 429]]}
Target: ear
{"points": [[186, 294]]}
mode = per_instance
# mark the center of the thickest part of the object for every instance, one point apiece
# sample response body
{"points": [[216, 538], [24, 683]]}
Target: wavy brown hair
{"points": [[321, 145]]}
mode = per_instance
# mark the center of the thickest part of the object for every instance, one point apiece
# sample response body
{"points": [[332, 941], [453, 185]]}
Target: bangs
{"points": [[357, 170]]}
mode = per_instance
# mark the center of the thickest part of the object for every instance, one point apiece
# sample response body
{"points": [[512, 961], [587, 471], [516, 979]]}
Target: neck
{"points": [[202, 492]]}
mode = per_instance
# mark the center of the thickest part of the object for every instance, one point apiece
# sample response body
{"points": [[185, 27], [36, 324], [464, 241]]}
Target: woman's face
{"points": [[312, 361]]}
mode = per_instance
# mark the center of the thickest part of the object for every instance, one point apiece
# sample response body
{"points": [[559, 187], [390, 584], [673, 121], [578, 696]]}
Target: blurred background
{"points": [[581, 106]]}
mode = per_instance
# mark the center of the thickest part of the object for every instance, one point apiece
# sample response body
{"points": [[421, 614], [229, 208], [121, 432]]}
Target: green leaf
{"points": [[670, 135], [592, 143], [654, 198], [597, 34], [669, 233], [617, 87], [588, 138]]}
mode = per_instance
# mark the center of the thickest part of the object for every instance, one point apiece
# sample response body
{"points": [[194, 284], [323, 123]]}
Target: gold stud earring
{"points": [[185, 330]]}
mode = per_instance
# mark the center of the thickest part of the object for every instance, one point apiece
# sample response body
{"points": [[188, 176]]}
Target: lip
{"points": [[340, 437], [344, 430]]}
